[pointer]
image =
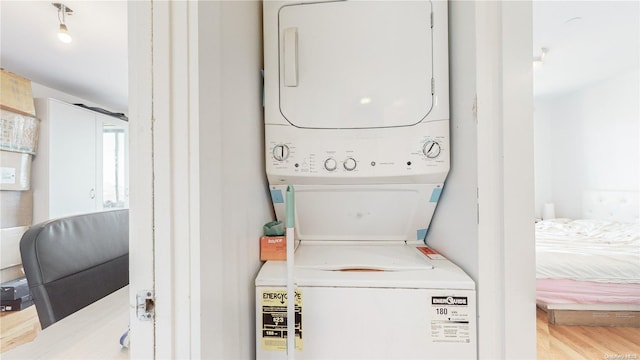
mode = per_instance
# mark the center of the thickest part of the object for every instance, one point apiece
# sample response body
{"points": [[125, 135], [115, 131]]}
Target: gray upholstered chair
{"points": [[74, 261]]}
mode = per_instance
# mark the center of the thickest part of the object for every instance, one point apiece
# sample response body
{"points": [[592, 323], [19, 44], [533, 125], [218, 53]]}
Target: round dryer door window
{"points": [[355, 64]]}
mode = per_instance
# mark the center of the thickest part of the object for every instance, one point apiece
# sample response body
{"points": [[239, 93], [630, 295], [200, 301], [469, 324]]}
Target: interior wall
{"points": [[588, 139], [454, 228], [233, 182], [543, 154]]}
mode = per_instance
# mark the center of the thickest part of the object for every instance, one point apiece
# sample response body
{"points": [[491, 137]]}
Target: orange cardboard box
{"points": [[273, 248], [15, 94]]}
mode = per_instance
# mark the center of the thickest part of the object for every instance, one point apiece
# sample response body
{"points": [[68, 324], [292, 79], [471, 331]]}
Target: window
{"points": [[114, 167]]}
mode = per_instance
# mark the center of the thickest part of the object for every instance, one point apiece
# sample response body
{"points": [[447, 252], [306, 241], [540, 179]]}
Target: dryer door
{"points": [[355, 64]]}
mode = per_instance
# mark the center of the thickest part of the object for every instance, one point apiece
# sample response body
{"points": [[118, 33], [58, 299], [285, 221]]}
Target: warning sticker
{"points": [[450, 319], [274, 319], [430, 253]]}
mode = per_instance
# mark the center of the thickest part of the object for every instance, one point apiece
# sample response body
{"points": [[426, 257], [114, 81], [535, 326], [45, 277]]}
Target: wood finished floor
{"points": [[555, 342], [586, 342]]}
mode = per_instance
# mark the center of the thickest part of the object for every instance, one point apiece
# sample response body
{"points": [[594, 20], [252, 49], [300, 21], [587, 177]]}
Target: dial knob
{"points": [[431, 149], [330, 164], [349, 164], [280, 152]]}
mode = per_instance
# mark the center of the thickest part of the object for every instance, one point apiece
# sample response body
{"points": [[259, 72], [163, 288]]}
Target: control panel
{"points": [[359, 154]]}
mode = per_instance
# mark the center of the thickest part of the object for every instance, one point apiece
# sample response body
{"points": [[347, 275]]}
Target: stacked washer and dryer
{"points": [[357, 121]]}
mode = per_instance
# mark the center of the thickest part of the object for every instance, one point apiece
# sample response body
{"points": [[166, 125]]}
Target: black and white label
{"points": [[450, 317]]}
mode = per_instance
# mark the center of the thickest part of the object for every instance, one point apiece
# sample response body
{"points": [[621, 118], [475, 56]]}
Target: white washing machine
{"points": [[357, 120]]}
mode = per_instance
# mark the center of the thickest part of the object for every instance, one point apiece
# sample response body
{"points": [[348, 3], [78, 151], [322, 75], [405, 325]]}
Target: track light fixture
{"points": [[63, 32]]}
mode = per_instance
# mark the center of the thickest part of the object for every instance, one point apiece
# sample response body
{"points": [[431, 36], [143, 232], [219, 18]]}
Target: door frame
{"points": [[164, 160], [506, 246]]}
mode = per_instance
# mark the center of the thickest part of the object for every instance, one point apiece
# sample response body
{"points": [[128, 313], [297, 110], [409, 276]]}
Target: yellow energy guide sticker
{"points": [[274, 319]]}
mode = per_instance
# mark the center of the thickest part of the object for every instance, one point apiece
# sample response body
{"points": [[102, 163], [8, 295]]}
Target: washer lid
{"points": [[361, 258], [355, 64], [438, 274]]}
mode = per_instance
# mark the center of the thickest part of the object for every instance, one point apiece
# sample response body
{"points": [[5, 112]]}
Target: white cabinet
{"points": [[81, 163]]}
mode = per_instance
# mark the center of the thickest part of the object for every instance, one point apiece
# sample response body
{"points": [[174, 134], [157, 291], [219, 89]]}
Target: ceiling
{"points": [[587, 40], [93, 66]]}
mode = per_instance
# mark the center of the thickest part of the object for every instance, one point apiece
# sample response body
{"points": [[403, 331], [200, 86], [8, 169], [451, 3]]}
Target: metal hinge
{"points": [[145, 303], [433, 86]]}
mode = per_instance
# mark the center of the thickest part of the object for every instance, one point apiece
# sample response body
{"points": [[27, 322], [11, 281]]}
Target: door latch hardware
{"points": [[145, 305]]}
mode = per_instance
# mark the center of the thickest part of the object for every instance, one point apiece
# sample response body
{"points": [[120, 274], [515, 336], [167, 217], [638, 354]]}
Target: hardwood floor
{"points": [[555, 342], [585, 342], [18, 327]]}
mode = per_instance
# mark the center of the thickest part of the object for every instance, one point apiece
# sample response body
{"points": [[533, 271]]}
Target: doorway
{"points": [[586, 133]]}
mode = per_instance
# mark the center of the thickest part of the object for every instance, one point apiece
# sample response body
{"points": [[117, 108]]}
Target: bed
{"points": [[588, 270]]}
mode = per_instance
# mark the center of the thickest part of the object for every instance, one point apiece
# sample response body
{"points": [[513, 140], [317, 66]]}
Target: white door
{"points": [[72, 166], [385, 50], [141, 238]]}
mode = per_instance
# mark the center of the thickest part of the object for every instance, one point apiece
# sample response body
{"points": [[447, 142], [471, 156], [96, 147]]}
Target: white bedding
{"points": [[588, 250]]}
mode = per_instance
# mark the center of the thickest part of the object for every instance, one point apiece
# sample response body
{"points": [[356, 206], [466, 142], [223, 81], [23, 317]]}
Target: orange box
{"points": [[273, 248], [15, 94]]}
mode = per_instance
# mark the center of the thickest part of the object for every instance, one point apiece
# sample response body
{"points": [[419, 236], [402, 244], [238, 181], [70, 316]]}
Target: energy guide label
{"points": [[274, 319], [450, 319]]}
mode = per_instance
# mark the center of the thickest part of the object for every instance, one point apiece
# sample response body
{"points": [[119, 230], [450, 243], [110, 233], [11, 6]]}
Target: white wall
{"points": [[454, 228], [233, 181], [543, 155], [588, 139]]}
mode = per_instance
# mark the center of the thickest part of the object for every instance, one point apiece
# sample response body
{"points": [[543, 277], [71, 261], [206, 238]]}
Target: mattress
{"points": [[599, 251], [566, 291]]}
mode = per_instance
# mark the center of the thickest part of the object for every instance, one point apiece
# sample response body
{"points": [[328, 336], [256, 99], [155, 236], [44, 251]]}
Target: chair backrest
{"points": [[74, 261]]}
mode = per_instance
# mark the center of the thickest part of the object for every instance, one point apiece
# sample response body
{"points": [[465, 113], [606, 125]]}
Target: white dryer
{"points": [[357, 120]]}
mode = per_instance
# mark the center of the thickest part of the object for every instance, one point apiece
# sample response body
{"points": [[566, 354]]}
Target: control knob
{"points": [[349, 164], [330, 164], [431, 149], [280, 152]]}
